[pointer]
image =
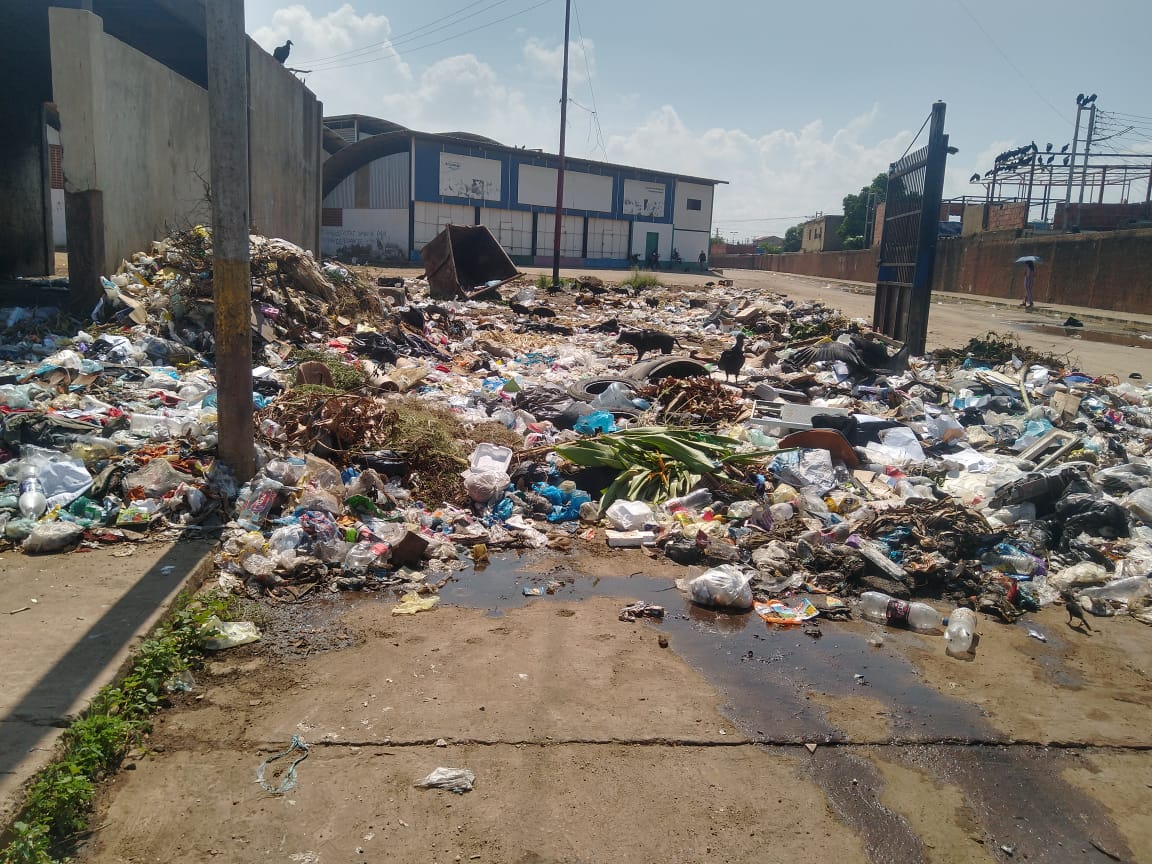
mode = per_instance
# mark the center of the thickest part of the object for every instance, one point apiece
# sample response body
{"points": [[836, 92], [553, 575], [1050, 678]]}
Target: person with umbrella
{"points": [[1029, 262]]}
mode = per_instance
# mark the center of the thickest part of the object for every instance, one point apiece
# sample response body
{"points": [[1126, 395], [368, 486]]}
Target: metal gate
{"points": [[908, 241]]}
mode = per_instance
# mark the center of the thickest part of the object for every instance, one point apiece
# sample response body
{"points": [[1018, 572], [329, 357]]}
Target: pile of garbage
{"points": [[790, 454]]}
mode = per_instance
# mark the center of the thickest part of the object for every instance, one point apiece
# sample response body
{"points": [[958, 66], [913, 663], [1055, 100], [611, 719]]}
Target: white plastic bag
{"points": [[48, 537], [458, 780], [218, 635], [483, 486], [725, 587]]}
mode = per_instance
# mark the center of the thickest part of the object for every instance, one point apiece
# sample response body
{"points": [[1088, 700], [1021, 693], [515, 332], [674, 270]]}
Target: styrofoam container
{"points": [[629, 515], [490, 457]]}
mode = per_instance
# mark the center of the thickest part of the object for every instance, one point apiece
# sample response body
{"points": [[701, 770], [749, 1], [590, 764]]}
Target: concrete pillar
{"points": [[78, 84]]}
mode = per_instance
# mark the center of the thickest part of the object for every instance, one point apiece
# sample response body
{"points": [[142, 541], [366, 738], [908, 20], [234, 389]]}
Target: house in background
{"points": [[389, 190], [820, 235]]}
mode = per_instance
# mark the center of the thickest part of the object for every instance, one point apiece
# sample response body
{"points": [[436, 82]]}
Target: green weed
{"points": [[640, 280], [60, 797]]}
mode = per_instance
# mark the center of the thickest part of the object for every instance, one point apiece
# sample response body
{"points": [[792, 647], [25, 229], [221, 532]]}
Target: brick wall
{"points": [[1106, 270], [1100, 217], [1006, 217]]}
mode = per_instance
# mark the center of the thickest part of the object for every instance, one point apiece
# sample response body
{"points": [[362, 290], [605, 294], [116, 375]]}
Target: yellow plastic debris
{"points": [[411, 603]]}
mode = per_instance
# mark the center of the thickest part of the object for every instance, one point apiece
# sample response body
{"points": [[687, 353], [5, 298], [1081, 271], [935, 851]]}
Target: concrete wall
{"points": [[852, 266], [136, 151], [25, 85], [133, 131], [284, 160]]}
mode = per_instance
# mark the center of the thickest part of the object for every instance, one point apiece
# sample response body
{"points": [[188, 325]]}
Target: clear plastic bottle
{"points": [[888, 610], [1011, 560], [961, 632], [32, 501]]}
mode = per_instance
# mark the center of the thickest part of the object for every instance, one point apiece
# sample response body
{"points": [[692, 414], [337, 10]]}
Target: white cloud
{"points": [[781, 173], [463, 94], [337, 47], [546, 62]]}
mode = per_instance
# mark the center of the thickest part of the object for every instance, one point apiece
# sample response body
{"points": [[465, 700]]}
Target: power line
{"points": [[913, 141], [1008, 60], [415, 33], [591, 90], [438, 41]]}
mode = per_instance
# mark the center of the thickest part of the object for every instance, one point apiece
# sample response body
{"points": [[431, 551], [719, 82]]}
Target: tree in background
{"points": [[851, 230], [793, 237]]}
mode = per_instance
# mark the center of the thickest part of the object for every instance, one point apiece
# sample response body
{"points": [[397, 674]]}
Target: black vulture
{"points": [[281, 53], [1064, 149], [974, 178], [1048, 147], [732, 359], [1051, 158], [1079, 98]]}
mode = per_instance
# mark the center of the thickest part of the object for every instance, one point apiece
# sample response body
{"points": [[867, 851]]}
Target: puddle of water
{"points": [[1127, 339], [766, 674]]}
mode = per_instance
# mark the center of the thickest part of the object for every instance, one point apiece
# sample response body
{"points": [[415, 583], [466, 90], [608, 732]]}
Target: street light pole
{"points": [[1084, 171], [1072, 164]]}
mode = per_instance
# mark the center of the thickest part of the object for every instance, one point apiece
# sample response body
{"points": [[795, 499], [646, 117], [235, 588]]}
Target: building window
{"points": [[694, 204]]}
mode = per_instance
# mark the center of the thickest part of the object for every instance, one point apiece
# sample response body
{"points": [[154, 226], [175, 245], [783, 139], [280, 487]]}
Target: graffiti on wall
{"points": [[469, 177], [643, 198]]}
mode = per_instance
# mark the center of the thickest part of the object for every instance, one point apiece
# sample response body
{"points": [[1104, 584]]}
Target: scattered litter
{"points": [[288, 781], [219, 635], [458, 780], [640, 609], [411, 603]]}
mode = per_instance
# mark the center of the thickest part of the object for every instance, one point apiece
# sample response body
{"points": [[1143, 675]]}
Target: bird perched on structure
{"points": [[974, 178], [1048, 147], [281, 53], [732, 359], [1064, 149]]}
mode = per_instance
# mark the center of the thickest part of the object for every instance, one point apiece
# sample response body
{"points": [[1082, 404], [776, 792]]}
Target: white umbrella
{"points": [[1035, 259]]}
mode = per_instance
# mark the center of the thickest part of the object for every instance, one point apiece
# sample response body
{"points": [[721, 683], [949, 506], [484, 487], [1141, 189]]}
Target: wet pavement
{"points": [[767, 676]]}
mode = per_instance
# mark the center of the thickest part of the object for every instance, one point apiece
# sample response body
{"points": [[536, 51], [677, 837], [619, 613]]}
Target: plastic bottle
{"points": [[1011, 560], [961, 632], [889, 610], [32, 501], [692, 501]]}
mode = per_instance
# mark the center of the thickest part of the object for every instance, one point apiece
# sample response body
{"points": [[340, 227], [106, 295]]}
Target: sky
{"points": [[794, 104]]}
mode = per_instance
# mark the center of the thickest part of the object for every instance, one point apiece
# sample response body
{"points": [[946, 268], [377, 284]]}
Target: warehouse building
{"points": [[389, 190]]}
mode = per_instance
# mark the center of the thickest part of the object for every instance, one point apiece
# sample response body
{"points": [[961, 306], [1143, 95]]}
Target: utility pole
{"points": [[1072, 163], [231, 273], [560, 166], [1084, 171]]}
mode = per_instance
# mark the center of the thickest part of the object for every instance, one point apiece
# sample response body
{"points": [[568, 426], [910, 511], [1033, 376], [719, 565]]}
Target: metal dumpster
{"points": [[462, 259]]}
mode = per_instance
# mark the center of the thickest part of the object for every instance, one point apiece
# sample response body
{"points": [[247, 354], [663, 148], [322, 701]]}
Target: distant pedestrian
{"points": [[1029, 279], [654, 260], [703, 259]]}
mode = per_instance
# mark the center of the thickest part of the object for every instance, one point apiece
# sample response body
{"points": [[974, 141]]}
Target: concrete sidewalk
{"points": [[1129, 321], [70, 622]]}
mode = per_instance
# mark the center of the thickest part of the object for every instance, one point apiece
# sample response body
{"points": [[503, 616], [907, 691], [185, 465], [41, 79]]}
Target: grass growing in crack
{"points": [[60, 797], [640, 280]]}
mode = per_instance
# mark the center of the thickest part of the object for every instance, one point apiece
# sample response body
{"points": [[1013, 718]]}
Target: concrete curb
{"points": [[115, 670]]}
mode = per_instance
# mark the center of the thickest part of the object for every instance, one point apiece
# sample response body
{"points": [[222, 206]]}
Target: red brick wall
{"points": [[1108, 270], [1100, 217], [1006, 217]]}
